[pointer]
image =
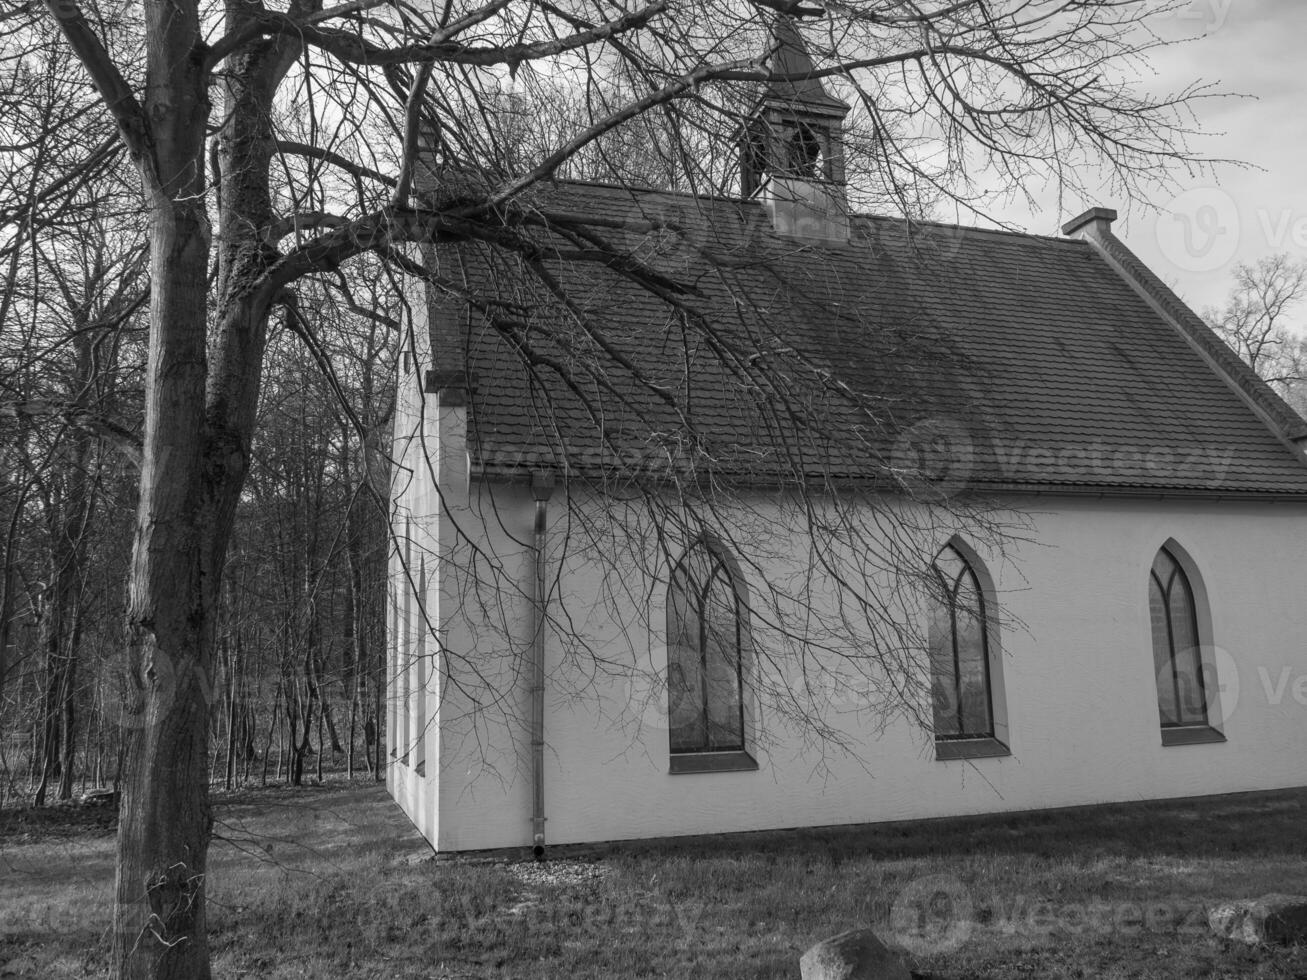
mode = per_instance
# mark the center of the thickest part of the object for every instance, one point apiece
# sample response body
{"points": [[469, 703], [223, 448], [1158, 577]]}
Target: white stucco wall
{"points": [[1077, 672], [455, 694], [413, 496], [1076, 668]]}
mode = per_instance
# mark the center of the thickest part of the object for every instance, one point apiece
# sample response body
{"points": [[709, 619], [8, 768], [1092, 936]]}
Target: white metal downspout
{"points": [[542, 488]]}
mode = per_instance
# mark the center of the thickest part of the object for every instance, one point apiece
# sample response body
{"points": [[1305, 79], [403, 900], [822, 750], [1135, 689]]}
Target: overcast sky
{"points": [[1253, 47]]}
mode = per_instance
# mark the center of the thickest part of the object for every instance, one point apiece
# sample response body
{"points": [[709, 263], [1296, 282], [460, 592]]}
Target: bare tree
{"points": [[276, 144], [75, 285], [1257, 322]]}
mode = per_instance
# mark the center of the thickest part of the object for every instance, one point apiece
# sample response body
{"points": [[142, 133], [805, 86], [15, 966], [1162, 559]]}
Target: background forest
{"points": [[298, 689]]}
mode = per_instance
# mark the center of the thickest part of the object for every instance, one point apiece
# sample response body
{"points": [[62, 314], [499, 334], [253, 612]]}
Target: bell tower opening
{"points": [[791, 152]]}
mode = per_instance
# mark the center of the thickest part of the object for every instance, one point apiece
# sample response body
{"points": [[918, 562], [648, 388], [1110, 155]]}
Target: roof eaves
{"points": [[1139, 491], [501, 473]]}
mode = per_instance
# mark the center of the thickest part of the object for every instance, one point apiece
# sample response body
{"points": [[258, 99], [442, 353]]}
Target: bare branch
{"points": [[114, 90], [119, 436], [354, 49]]}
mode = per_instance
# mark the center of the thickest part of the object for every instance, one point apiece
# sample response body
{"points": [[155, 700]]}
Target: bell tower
{"points": [[791, 149]]}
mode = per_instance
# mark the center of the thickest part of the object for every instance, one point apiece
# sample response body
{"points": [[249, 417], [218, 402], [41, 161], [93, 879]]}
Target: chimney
{"points": [[1096, 223]]}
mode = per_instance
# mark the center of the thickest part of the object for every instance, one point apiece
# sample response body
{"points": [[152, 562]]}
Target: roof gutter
{"points": [[542, 488], [816, 483]]}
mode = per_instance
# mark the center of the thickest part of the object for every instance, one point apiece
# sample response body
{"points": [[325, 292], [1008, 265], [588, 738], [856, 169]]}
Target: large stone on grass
{"points": [[853, 955], [1230, 921], [1272, 918]]}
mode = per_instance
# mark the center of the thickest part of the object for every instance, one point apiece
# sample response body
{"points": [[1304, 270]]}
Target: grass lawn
{"points": [[331, 883]]}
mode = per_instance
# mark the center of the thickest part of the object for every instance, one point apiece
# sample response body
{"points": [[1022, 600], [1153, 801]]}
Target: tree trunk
{"points": [[49, 636], [348, 650], [272, 728], [164, 816], [329, 716], [300, 746], [232, 701], [286, 730], [321, 751], [6, 607], [199, 420], [377, 721], [349, 747], [68, 504], [68, 722]]}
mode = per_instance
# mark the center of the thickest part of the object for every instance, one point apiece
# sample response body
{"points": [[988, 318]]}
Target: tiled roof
{"points": [[998, 361]]}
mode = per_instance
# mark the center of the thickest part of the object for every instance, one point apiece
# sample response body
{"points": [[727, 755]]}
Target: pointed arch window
{"points": [[804, 151], [1177, 647], [707, 663], [963, 674]]}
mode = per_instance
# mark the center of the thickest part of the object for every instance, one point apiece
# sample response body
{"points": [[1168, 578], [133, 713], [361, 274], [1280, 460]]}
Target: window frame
{"points": [[1211, 728], [965, 745], [723, 572]]}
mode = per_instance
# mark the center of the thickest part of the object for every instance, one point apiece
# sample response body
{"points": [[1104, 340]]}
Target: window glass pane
{"points": [[943, 686], [959, 651], [722, 655], [684, 670], [972, 674], [704, 636], [1166, 703], [719, 615], [682, 616], [950, 567], [1188, 656], [723, 701], [685, 699], [1164, 567]]}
